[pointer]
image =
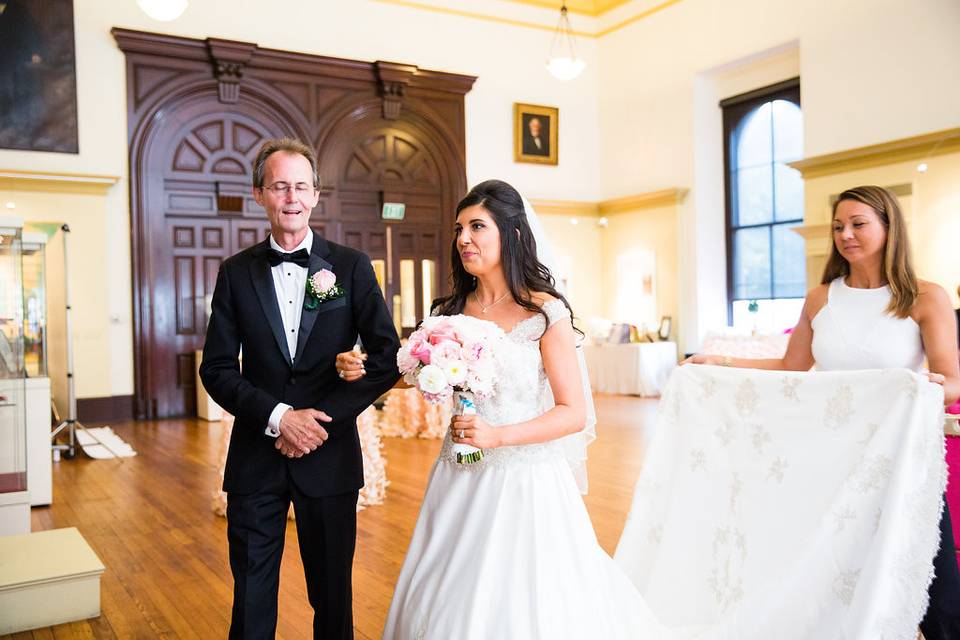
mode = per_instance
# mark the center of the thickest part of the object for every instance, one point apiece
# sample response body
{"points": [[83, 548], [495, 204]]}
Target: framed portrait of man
{"points": [[535, 133]]}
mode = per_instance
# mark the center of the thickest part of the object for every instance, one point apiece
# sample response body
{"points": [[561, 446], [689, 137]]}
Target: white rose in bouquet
{"points": [[431, 379]]}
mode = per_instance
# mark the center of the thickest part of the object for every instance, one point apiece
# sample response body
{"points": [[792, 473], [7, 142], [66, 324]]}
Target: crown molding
{"points": [[548, 25], [816, 236], [18, 180], [876, 155], [649, 200], [592, 8], [566, 208]]}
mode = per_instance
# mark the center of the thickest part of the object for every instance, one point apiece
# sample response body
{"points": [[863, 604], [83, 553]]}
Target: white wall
{"points": [[641, 118], [871, 71], [508, 60]]}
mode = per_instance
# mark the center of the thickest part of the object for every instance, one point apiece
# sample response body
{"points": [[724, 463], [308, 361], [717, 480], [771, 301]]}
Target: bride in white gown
{"points": [[504, 548]]}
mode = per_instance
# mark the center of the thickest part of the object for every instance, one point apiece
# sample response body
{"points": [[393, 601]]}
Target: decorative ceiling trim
{"points": [[479, 16], [636, 18], [592, 8], [817, 238], [566, 208], [17, 180], [411, 4], [875, 155], [649, 200]]}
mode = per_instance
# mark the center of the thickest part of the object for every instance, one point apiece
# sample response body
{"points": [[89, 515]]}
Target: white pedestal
{"points": [[48, 578], [39, 453], [14, 516], [207, 409], [15, 499]]}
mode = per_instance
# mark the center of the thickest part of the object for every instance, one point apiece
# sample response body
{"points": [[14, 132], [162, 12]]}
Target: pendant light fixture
{"points": [[564, 63]]}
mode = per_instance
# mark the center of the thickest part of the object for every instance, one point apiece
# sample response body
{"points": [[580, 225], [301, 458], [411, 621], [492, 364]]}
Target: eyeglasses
{"points": [[282, 188]]}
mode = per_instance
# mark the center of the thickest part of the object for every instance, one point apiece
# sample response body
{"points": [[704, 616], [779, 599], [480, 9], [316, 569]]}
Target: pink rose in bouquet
{"points": [[418, 347], [442, 332]]}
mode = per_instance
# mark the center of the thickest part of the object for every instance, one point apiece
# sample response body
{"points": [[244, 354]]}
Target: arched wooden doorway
{"points": [[198, 111]]}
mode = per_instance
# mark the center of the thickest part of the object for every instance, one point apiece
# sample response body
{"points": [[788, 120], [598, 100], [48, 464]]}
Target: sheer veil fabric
{"points": [[574, 445]]}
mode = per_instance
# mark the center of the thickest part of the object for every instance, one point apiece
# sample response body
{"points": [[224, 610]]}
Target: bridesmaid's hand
{"points": [[937, 378], [350, 365], [473, 430], [702, 358]]}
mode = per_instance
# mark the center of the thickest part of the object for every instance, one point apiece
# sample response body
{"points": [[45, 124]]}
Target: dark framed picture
{"points": [[535, 133], [38, 82]]}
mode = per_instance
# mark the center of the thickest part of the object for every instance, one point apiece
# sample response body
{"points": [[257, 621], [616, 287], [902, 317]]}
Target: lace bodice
{"points": [[522, 391]]}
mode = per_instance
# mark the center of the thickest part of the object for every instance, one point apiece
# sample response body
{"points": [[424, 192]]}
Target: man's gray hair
{"points": [[288, 145]]}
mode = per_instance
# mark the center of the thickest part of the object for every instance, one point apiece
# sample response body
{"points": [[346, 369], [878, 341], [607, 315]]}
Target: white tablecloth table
{"points": [[639, 369]]}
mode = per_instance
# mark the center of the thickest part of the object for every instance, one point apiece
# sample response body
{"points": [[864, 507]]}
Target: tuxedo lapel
{"points": [[309, 316], [263, 285]]}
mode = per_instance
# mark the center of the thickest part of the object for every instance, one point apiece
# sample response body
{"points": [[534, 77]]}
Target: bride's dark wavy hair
{"points": [[525, 274]]}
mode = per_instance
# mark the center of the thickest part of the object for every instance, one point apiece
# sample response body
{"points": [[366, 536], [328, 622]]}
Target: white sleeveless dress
{"points": [[853, 330], [504, 548]]}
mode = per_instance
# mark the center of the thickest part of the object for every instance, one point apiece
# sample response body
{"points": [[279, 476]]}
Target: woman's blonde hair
{"points": [[897, 265]]}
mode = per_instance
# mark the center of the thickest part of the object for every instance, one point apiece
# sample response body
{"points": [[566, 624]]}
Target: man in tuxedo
{"points": [[536, 141], [295, 435]]}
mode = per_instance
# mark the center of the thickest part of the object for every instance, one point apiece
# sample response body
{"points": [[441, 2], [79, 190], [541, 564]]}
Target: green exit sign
{"points": [[393, 210]]}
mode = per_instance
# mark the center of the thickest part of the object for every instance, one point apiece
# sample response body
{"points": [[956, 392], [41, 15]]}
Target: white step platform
{"points": [[47, 578]]}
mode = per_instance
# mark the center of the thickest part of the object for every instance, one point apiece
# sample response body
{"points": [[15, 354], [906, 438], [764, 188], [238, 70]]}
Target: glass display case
{"points": [[13, 437], [34, 304]]}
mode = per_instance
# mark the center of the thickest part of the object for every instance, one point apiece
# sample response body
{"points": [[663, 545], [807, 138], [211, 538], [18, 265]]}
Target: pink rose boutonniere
{"points": [[322, 287]]}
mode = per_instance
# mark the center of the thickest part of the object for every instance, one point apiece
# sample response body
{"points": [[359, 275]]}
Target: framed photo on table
{"points": [[666, 323], [535, 133]]}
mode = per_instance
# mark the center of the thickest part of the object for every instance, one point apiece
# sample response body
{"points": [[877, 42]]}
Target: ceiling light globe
{"points": [[163, 10]]}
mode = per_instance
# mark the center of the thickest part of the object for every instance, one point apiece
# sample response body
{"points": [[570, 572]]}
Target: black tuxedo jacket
{"points": [[245, 315]]}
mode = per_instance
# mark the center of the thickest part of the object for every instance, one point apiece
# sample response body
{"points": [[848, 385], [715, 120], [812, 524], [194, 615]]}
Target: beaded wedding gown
{"points": [[504, 548]]}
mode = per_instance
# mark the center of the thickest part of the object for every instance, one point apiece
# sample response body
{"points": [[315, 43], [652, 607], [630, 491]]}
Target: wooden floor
{"points": [[149, 519]]}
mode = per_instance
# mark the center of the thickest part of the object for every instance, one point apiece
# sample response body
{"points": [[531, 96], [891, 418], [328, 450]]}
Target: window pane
{"points": [[772, 317], [789, 263], [789, 190], [408, 295], [787, 131], [753, 142], [380, 271], [754, 196], [428, 277], [751, 266]]}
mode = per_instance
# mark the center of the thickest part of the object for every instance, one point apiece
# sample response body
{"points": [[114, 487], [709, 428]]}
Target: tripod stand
{"points": [[71, 424]]}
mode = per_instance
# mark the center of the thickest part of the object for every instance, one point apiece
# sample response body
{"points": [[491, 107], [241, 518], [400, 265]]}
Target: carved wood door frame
{"points": [[198, 110]]}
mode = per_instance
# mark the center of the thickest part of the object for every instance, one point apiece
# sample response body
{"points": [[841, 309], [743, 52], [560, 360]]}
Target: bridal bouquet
{"points": [[452, 357]]}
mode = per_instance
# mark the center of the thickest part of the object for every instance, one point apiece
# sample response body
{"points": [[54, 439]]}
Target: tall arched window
{"points": [[766, 265]]}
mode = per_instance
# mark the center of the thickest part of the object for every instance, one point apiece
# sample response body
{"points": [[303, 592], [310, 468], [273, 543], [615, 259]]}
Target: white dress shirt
{"points": [[290, 285]]}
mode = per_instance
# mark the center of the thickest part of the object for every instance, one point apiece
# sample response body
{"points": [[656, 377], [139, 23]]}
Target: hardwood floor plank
{"points": [[149, 519]]}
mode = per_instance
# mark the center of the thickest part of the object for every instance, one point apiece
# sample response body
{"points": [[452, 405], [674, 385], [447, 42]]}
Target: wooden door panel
{"points": [[194, 258], [194, 130], [247, 232]]}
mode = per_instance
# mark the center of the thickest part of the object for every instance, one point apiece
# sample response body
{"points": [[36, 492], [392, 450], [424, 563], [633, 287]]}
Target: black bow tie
{"points": [[299, 257]]}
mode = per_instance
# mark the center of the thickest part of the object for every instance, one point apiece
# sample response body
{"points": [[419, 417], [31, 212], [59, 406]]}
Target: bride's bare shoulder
{"points": [[540, 298]]}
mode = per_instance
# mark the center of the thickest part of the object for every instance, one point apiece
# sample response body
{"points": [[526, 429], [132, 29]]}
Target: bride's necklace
{"points": [[483, 309]]}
